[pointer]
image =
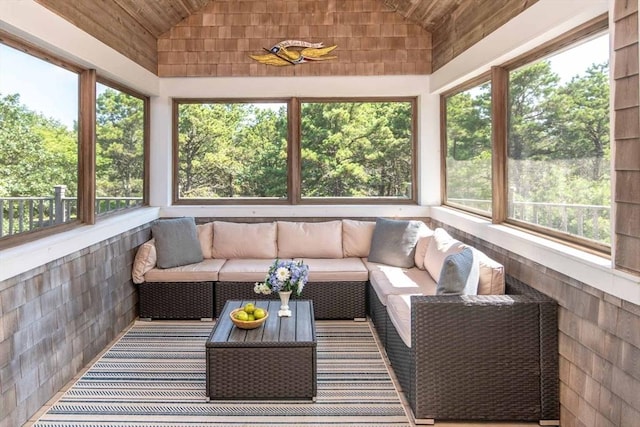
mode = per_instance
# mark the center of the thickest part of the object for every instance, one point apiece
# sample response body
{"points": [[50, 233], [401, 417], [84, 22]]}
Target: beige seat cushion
{"points": [[205, 236], [144, 261], [204, 271], [336, 270], [387, 280], [399, 311], [310, 239], [244, 240], [245, 270], [356, 237]]}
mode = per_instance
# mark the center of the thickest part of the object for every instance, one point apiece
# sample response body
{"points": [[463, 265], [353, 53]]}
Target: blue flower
{"points": [[284, 275]]}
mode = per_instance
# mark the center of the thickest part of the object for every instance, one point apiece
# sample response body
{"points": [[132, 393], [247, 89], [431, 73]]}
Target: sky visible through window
{"points": [[54, 96]]}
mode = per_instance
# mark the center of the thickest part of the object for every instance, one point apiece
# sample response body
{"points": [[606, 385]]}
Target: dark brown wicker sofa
{"points": [[237, 255], [477, 357], [486, 357]]}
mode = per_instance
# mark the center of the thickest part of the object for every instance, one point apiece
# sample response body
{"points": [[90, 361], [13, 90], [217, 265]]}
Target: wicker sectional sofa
{"points": [[486, 357]]}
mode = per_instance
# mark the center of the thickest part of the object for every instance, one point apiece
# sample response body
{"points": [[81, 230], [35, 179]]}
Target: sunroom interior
{"points": [[66, 290]]}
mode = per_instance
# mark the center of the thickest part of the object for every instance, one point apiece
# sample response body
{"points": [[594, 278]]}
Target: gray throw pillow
{"points": [[459, 275], [176, 242], [394, 242]]}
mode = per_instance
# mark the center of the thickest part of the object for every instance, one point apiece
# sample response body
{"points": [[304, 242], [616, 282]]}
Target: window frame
{"points": [[444, 148], [294, 158], [499, 79], [146, 117], [86, 178]]}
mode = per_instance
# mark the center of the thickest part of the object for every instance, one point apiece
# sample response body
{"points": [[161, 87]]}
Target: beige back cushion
{"points": [[205, 236], [144, 261], [440, 246], [491, 280], [356, 237], [491, 275], [244, 240], [425, 235], [310, 239]]}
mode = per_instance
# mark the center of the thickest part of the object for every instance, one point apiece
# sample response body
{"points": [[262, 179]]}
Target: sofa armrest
{"points": [[484, 357]]}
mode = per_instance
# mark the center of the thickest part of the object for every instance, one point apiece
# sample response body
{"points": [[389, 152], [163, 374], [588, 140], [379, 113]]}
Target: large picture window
{"points": [[120, 139], [531, 146], [294, 151], [231, 150], [469, 148], [357, 149], [50, 118], [38, 143], [559, 156]]}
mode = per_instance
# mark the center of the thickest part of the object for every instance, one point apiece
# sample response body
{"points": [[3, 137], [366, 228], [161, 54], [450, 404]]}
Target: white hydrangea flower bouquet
{"points": [[284, 275]]}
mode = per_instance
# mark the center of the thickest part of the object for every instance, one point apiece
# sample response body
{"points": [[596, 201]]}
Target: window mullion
{"points": [[499, 132], [87, 155], [294, 154]]}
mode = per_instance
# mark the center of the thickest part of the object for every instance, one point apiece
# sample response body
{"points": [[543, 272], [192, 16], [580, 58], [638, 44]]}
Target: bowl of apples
{"points": [[249, 316]]}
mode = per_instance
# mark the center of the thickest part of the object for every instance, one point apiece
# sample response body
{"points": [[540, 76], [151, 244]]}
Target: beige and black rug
{"points": [[154, 376]]}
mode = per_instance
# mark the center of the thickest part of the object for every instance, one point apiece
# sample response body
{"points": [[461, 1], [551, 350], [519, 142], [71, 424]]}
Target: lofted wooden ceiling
{"points": [[158, 16], [427, 13], [133, 27]]}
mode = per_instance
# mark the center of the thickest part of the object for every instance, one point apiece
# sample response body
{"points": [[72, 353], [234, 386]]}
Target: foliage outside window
{"points": [[469, 148], [120, 150], [558, 146], [357, 149], [232, 150], [240, 151], [557, 157], [38, 143]]}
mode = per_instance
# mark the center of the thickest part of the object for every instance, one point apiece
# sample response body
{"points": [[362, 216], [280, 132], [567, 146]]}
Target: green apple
{"points": [[242, 315], [259, 313], [249, 308]]}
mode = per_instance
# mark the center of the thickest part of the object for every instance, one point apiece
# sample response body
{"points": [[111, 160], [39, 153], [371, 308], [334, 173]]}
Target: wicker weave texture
{"points": [[478, 362], [261, 373], [331, 300], [378, 314], [484, 358], [169, 300]]}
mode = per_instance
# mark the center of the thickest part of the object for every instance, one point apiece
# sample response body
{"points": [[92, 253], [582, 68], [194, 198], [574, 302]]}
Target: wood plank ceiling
{"points": [[133, 27]]}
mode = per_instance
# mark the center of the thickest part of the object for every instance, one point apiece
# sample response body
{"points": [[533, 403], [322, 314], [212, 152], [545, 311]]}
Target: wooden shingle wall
{"points": [[56, 318], [626, 135], [372, 39]]}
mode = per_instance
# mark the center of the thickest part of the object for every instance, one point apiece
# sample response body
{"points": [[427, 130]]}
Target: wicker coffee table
{"points": [[274, 361]]}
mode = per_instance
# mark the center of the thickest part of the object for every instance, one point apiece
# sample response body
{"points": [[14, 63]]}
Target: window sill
{"points": [[22, 258], [588, 268]]}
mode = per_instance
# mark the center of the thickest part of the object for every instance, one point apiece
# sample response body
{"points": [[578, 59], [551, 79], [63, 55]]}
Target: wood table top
{"points": [[297, 330]]}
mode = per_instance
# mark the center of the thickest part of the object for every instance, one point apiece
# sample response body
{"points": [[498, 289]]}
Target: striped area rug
{"points": [[154, 376]]}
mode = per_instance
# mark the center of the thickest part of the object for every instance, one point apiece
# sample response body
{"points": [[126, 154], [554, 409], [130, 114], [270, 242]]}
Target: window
{"points": [[120, 147], [250, 151], [232, 150], [558, 142], [38, 143], [48, 109], [357, 149], [547, 140], [468, 148]]}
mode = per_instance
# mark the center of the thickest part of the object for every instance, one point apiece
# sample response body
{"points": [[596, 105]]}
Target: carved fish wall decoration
{"points": [[293, 52]]}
